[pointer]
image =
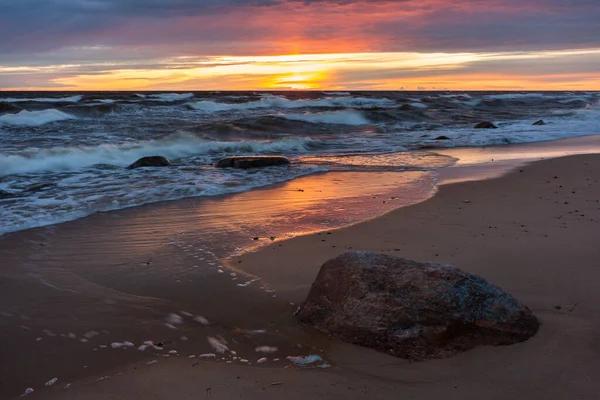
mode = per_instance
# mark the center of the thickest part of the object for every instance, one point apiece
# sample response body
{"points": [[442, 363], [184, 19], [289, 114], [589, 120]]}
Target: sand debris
{"points": [[266, 349], [174, 319], [201, 319], [118, 345], [219, 345], [311, 361], [51, 382]]}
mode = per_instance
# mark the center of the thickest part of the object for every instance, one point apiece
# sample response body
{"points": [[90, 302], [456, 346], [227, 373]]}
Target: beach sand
{"points": [[532, 232]]}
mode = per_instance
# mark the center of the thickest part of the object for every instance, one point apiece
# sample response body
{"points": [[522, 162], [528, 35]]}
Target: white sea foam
{"points": [[168, 97], [173, 147], [34, 118], [344, 117], [513, 96], [282, 102], [71, 99]]}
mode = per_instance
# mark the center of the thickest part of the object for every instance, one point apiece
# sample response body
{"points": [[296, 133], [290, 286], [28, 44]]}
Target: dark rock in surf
{"points": [[153, 161], [252, 162], [442, 138], [485, 125], [9, 108], [7, 195], [539, 123], [410, 309]]}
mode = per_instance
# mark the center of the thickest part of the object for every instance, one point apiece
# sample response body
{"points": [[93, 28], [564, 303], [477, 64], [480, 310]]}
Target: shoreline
{"points": [[523, 249], [142, 294], [480, 165]]}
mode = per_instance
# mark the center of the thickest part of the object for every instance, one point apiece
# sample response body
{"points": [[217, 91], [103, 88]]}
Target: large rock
{"points": [[485, 125], [252, 162], [539, 123], [412, 310], [152, 161]]}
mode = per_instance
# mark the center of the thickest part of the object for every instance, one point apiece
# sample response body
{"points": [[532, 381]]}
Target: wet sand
{"points": [[531, 232]]}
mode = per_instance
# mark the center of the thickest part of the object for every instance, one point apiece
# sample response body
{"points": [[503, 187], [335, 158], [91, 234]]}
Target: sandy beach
{"points": [[532, 232]]}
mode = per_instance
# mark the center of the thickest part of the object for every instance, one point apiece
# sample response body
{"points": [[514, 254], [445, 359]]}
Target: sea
{"points": [[63, 155]]}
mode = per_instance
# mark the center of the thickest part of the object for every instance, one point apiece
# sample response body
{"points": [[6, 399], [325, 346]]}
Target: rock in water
{"points": [[252, 162], [153, 161], [442, 138], [539, 123], [9, 108], [485, 125], [412, 310]]}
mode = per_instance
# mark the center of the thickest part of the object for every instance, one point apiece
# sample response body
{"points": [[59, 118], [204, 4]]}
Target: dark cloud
{"points": [[106, 35], [238, 26]]}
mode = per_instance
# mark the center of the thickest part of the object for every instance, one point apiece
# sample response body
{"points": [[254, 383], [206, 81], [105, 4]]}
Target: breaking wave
{"points": [[174, 147], [71, 99], [282, 102], [345, 117], [34, 118]]}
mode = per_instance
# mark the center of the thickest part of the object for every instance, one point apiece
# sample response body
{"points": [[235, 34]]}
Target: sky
{"points": [[299, 44]]}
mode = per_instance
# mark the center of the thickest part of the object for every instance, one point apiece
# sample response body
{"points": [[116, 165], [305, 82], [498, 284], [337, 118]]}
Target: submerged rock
{"points": [[152, 161], [442, 138], [485, 125], [252, 162], [9, 108], [539, 123], [410, 309]]}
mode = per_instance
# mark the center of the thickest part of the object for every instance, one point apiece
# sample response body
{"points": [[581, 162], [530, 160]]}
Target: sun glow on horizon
{"points": [[337, 71]]}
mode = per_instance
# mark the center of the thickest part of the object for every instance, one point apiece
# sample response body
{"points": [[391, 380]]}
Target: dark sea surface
{"points": [[63, 155]]}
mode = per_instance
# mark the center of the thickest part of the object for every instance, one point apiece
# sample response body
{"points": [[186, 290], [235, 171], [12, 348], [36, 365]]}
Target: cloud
{"points": [[84, 37], [271, 26]]}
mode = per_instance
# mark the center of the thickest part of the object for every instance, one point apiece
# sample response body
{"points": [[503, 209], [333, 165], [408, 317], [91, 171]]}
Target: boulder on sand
{"points": [[244, 162], [539, 123], [410, 309], [485, 125], [152, 161]]}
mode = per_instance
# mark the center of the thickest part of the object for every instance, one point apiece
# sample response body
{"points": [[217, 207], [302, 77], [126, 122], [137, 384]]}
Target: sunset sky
{"points": [[300, 44]]}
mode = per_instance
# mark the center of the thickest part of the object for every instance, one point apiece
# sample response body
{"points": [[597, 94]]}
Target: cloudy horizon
{"points": [[299, 44]]}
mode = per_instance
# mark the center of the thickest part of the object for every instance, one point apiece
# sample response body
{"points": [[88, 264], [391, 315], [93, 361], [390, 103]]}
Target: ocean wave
{"points": [[513, 96], [167, 97], [71, 99], [345, 117], [282, 102], [174, 147], [34, 118]]}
